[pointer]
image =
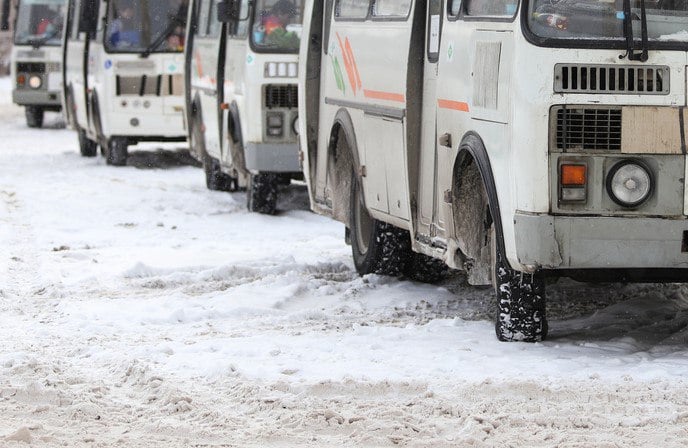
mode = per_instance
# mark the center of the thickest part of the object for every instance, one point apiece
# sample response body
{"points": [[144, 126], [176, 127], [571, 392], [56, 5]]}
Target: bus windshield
{"points": [[146, 26], [277, 25], [39, 22], [667, 20]]}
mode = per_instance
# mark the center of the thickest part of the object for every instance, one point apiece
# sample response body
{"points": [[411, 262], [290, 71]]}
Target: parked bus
{"points": [[242, 61], [36, 58], [124, 73], [512, 140]]}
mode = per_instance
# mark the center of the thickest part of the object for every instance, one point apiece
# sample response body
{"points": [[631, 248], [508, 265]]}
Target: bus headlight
{"points": [[35, 82], [295, 125], [629, 183], [275, 124]]}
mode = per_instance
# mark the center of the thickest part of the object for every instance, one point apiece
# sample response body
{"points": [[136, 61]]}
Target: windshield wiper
{"points": [[628, 32], [177, 20]]}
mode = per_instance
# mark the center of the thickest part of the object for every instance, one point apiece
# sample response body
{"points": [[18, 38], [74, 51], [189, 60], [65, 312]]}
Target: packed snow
{"points": [[138, 309]]}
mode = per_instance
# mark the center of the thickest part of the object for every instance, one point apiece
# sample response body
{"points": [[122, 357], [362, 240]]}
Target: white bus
{"points": [[242, 97], [37, 58], [124, 73], [513, 140]]}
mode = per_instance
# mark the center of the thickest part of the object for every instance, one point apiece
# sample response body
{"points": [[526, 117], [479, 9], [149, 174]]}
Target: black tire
{"points": [[422, 268], [521, 302], [215, 179], [116, 152], [34, 116], [262, 193], [88, 147], [377, 247]]}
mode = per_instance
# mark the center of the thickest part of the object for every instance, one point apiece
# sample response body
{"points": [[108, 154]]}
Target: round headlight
{"points": [[35, 82], [629, 183], [295, 125]]}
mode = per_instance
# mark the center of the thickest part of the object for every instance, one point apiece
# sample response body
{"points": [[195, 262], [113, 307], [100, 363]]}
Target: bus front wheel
{"points": [[262, 193], [34, 116], [87, 147], [117, 151], [521, 301]]}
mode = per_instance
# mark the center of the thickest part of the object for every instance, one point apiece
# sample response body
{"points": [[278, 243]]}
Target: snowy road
{"points": [[138, 309]]}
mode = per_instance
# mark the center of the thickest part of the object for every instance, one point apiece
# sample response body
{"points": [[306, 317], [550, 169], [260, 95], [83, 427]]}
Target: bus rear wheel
{"points": [[117, 151], [377, 247], [88, 147], [34, 116], [262, 193], [215, 179]]}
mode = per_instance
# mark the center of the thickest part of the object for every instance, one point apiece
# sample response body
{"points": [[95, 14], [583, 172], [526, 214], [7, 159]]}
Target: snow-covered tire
{"points": [[215, 179], [262, 193], [377, 247], [521, 303], [423, 268], [116, 152], [34, 116], [87, 147]]}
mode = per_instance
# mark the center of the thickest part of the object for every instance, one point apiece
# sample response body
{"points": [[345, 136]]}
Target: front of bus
{"points": [[36, 56], [142, 70], [271, 134], [602, 91]]}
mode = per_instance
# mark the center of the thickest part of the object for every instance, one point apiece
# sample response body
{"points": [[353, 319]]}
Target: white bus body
{"points": [[36, 68], [512, 140], [242, 97], [124, 73]]}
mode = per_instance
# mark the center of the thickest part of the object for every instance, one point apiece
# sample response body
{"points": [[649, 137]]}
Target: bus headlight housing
{"points": [[275, 124], [35, 82], [295, 125], [629, 183]]}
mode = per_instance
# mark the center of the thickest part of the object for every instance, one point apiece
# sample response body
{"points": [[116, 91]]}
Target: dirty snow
{"points": [[138, 309]]}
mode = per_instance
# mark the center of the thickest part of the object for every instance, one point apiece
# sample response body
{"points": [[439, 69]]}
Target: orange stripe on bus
{"points": [[353, 63], [348, 65], [199, 64], [387, 96], [453, 105]]}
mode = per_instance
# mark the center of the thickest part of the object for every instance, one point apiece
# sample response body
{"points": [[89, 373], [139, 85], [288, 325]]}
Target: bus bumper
{"points": [[272, 157], [570, 242], [50, 99]]}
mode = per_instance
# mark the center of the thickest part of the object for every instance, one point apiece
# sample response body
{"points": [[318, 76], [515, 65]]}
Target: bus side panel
{"points": [[205, 88]]}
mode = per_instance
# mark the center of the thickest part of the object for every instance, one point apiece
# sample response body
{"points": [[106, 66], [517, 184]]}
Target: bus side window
{"points": [[391, 8], [454, 7], [327, 24], [203, 15], [491, 8], [434, 30], [352, 9]]}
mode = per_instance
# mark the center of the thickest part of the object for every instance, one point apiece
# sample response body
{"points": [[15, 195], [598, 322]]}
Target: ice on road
{"points": [[138, 309]]}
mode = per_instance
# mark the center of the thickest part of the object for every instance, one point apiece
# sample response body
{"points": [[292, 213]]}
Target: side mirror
{"points": [[88, 17], [229, 11]]}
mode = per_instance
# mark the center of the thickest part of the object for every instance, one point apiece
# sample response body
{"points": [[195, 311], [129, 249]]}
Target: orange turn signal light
{"points": [[21, 80], [573, 175]]}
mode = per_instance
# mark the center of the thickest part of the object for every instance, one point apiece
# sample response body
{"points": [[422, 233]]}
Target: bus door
{"points": [[76, 59], [206, 65], [427, 177], [377, 59], [232, 70]]}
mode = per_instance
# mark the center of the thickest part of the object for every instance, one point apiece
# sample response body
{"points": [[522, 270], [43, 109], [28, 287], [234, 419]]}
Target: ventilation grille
{"points": [[282, 96], [159, 85], [30, 67], [592, 129], [619, 79]]}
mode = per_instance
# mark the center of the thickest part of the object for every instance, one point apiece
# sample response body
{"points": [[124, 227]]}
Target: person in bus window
{"points": [[275, 24], [122, 31]]}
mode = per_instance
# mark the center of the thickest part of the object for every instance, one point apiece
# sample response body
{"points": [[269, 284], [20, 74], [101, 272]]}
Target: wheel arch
{"points": [[343, 163], [472, 150]]}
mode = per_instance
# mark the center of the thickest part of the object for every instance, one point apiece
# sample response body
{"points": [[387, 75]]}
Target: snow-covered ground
{"points": [[138, 309]]}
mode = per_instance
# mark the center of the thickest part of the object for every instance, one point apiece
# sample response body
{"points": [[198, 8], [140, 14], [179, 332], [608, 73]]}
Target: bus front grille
{"points": [[284, 96], [611, 79], [157, 85], [587, 128]]}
